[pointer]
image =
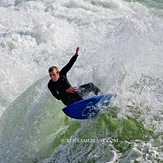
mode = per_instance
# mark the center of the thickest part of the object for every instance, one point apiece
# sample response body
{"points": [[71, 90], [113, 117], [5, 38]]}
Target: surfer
{"points": [[62, 90]]}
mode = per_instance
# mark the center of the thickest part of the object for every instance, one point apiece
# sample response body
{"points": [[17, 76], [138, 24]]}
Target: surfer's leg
{"points": [[87, 88]]}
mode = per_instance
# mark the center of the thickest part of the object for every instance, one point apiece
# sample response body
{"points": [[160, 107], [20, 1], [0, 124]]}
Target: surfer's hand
{"points": [[71, 89], [77, 50]]}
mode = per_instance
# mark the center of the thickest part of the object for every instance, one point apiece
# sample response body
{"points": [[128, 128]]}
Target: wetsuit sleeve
{"points": [[66, 68], [54, 92]]}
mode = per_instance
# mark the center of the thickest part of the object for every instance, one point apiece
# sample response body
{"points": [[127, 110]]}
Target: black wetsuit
{"points": [[58, 88]]}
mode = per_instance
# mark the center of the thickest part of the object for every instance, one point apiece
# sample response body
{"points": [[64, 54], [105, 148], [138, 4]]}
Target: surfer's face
{"points": [[54, 75]]}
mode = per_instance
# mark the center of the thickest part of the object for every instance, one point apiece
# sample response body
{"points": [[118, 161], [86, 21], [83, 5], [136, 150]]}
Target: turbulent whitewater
{"points": [[120, 51]]}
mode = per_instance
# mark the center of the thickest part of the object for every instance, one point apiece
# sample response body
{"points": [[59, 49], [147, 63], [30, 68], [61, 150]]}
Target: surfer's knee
{"points": [[91, 84]]}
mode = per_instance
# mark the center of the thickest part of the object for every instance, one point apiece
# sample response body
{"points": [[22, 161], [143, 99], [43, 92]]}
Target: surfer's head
{"points": [[54, 73]]}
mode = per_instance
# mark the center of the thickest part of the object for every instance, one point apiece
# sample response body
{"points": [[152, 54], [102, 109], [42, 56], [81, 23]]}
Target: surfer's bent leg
{"points": [[87, 88]]}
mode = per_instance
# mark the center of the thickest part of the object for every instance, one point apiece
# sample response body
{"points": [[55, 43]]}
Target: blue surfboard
{"points": [[87, 108]]}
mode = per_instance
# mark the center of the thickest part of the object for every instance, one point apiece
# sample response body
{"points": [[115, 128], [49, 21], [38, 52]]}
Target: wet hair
{"points": [[52, 68]]}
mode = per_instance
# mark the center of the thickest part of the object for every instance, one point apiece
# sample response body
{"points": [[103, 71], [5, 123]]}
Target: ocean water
{"points": [[121, 49]]}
